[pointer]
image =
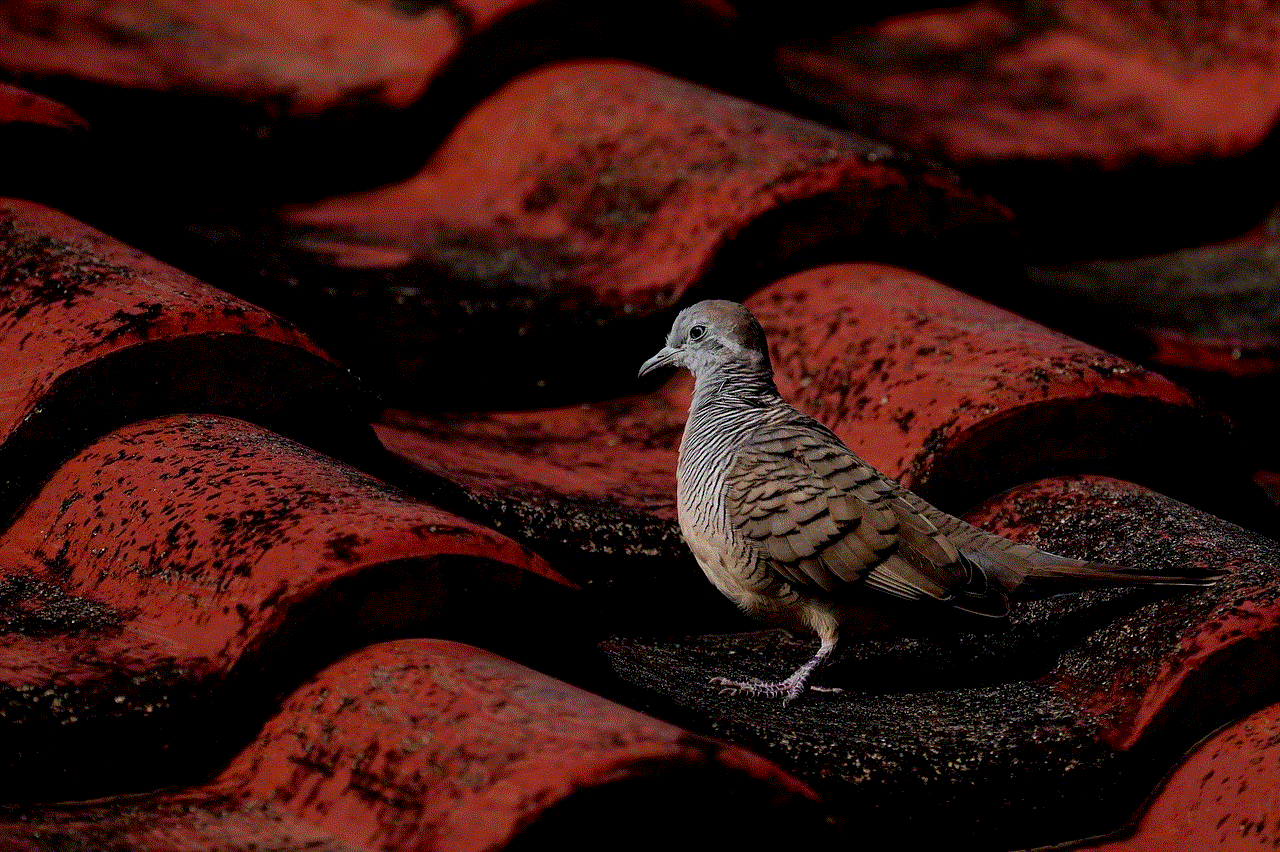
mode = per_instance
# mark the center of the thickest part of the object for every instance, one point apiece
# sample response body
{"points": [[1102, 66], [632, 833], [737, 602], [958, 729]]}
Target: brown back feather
{"points": [[828, 520]]}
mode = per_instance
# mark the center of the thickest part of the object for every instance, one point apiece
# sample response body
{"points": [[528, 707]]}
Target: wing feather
{"points": [[828, 520]]}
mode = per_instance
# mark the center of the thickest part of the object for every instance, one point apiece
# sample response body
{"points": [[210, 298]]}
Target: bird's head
{"points": [[710, 335]]}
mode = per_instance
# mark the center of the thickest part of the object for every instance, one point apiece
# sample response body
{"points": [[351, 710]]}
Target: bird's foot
{"points": [[788, 690], [791, 688]]}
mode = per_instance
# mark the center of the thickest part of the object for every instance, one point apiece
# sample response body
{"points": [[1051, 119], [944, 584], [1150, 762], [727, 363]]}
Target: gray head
{"points": [[710, 335]]}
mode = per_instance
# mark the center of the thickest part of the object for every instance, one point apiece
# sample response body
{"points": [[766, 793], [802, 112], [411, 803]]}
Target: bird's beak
{"points": [[663, 359]]}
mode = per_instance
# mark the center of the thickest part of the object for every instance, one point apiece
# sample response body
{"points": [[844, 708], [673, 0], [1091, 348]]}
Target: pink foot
{"points": [[788, 690]]}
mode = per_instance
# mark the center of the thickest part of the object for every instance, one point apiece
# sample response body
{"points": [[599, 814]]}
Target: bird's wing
{"points": [[827, 519]]}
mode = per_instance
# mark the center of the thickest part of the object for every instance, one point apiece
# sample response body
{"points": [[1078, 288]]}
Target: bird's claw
{"points": [[787, 690], [754, 686]]}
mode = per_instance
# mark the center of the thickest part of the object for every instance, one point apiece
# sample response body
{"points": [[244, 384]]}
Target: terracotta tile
{"points": [[164, 584], [432, 744], [585, 196], [317, 54], [182, 573], [94, 334], [210, 112], [19, 105], [1090, 80], [302, 58], [1196, 660], [1212, 309], [956, 397], [441, 740], [1207, 315], [1113, 130], [1221, 797], [591, 487], [960, 398], [1065, 721]]}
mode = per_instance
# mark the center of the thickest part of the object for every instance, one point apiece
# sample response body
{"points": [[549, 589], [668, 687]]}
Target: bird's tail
{"points": [[1049, 567], [1009, 564]]}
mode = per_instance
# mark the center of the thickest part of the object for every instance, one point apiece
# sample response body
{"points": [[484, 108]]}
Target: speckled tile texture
{"points": [[334, 517]]}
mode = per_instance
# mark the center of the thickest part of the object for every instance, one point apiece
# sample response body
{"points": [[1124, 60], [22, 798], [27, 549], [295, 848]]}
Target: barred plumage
{"points": [[794, 527]]}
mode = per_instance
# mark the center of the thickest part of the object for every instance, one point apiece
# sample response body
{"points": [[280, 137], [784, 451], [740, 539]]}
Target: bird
{"points": [[796, 529]]}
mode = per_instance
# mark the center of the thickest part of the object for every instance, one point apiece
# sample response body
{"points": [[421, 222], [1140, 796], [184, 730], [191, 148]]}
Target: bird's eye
{"points": [[697, 332]]}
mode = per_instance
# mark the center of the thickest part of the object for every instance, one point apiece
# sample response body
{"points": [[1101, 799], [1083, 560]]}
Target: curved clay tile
{"points": [[198, 106], [591, 487], [19, 105], [300, 57], [94, 334], [180, 574], [960, 398], [1213, 309], [429, 744], [1072, 79], [586, 195], [1084, 692], [1052, 730], [1221, 797], [1112, 130], [955, 396], [163, 584]]}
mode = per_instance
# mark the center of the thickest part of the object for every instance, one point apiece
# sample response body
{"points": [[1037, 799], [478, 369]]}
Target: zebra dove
{"points": [[794, 528]]}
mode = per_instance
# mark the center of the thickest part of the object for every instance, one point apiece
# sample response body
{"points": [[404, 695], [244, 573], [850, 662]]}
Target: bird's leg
{"points": [[791, 688]]}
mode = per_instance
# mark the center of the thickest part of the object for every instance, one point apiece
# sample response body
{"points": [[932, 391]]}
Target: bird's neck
{"points": [[734, 385]]}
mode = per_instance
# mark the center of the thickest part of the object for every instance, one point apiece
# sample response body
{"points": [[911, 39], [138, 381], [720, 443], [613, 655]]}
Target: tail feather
{"points": [[1046, 566], [1009, 564]]}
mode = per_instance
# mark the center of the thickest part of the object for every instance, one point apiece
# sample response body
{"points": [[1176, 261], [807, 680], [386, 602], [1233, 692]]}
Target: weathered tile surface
{"points": [[475, 217], [585, 196], [1052, 730], [1221, 797], [181, 573], [95, 334], [429, 744]]}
